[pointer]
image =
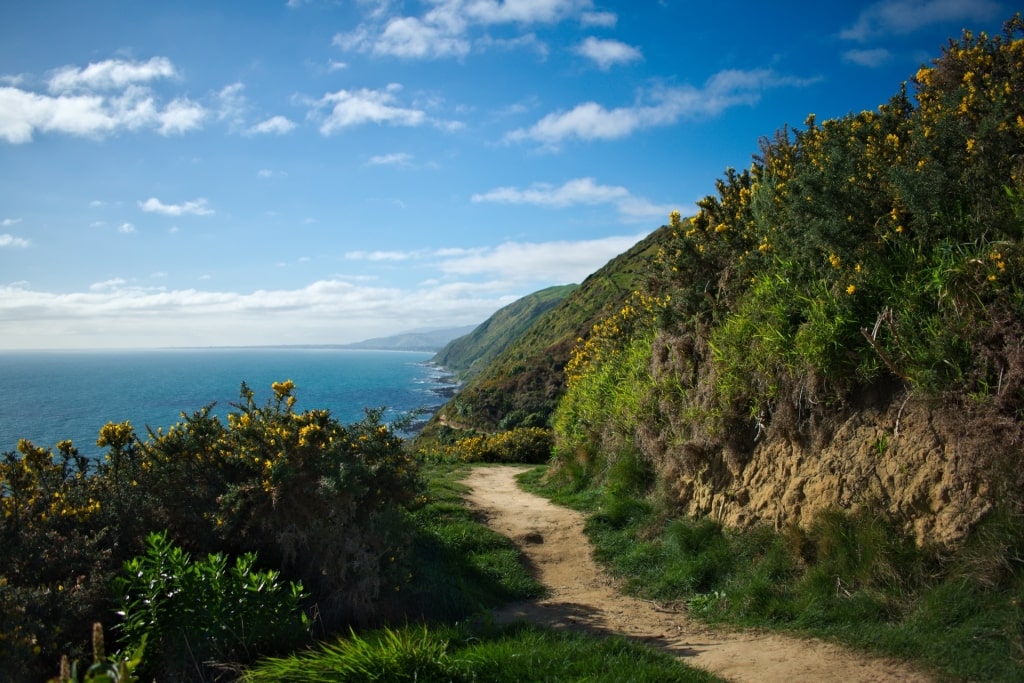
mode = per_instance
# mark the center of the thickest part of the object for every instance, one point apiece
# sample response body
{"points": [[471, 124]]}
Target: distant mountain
{"points": [[469, 354], [428, 340]]}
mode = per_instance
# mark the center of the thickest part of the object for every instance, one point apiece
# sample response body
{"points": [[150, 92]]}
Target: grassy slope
{"points": [[522, 385], [469, 354]]}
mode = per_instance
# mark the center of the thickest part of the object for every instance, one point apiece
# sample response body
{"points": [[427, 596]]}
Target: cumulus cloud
{"points": [[448, 27], [111, 74], [575, 192], [278, 125], [660, 107], [353, 108], [98, 100], [118, 313], [12, 241], [126, 228], [900, 17], [460, 286], [607, 53], [195, 208]]}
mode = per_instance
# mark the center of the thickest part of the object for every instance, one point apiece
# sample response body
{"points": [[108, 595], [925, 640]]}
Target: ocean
{"points": [[48, 396]]}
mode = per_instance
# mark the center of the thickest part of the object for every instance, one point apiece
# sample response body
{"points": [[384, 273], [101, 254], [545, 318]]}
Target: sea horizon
{"points": [[56, 394]]}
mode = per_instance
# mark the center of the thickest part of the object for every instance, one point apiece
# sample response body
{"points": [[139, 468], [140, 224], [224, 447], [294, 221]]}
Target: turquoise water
{"points": [[47, 396]]}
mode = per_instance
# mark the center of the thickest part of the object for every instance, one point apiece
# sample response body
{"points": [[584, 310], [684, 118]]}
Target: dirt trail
{"points": [[583, 597]]}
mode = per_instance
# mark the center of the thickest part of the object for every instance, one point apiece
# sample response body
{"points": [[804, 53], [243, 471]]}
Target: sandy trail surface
{"points": [[583, 597]]}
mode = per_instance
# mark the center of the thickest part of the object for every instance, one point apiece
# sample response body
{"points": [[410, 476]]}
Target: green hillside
{"points": [[523, 383], [469, 354]]}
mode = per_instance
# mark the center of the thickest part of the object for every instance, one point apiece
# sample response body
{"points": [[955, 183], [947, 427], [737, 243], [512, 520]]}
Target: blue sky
{"points": [[197, 173]]}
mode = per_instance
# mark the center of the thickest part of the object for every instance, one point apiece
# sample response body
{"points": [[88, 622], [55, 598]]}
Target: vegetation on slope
{"points": [[879, 252], [469, 354], [859, 264], [522, 385]]}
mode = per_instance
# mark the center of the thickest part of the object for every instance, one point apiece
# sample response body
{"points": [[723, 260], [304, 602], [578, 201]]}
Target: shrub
{"points": [[205, 612]]}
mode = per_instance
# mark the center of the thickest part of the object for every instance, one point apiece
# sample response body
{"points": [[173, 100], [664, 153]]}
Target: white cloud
{"points": [[446, 28], [12, 241], [180, 116], [592, 121], [117, 313], [111, 74], [868, 58], [126, 228], [579, 191], [353, 108], [551, 262], [900, 17], [598, 19], [275, 124], [8, 222], [80, 104], [395, 159], [607, 53], [194, 208]]}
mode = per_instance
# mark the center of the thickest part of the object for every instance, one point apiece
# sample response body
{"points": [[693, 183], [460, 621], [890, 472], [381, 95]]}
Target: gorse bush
{"points": [[879, 247], [519, 445], [314, 499]]}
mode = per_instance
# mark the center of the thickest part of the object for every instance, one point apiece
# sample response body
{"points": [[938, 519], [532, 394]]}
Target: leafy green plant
{"points": [[207, 611]]}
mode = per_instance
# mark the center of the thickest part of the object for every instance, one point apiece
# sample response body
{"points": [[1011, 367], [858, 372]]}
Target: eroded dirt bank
{"points": [[583, 597]]}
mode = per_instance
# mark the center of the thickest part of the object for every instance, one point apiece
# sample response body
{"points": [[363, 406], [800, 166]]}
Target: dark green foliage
{"points": [[197, 612]]}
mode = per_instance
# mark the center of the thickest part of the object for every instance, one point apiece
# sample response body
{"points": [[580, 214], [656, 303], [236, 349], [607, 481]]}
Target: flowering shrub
{"points": [[317, 500], [883, 245], [519, 445]]}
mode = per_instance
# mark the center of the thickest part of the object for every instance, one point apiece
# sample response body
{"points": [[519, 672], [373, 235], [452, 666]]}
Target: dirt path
{"points": [[583, 597]]}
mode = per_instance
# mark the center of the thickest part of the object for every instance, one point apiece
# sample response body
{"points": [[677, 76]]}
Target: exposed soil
{"points": [[583, 597]]}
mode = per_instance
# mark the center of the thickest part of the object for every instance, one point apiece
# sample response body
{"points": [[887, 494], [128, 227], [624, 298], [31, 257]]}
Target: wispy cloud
{"points": [[347, 108], [575, 192], [197, 207], [900, 17], [544, 263], [278, 125], [868, 58], [394, 159], [660, 107], [126, 228], [12, 241], [97, 100], [8, 222], [607, 53], [553, 262], [450, 28], [598, 19], [111, 74]]}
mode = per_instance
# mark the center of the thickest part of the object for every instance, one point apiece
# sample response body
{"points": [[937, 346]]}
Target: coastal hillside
{"points": [[469, 354], [840, 324], [523, 383]]}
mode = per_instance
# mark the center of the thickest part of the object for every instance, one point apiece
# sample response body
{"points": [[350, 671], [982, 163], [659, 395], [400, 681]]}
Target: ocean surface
{"points": [[48, 396]]}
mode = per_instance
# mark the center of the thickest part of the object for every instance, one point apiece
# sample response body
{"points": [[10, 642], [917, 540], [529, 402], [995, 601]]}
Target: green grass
{"points": [[851, 578], [460, 570], [517, 654], [459, 566]]}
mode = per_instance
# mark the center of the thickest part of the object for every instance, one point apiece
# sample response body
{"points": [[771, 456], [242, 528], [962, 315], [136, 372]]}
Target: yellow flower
{"points": [[834, 260], [851, 289]]}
